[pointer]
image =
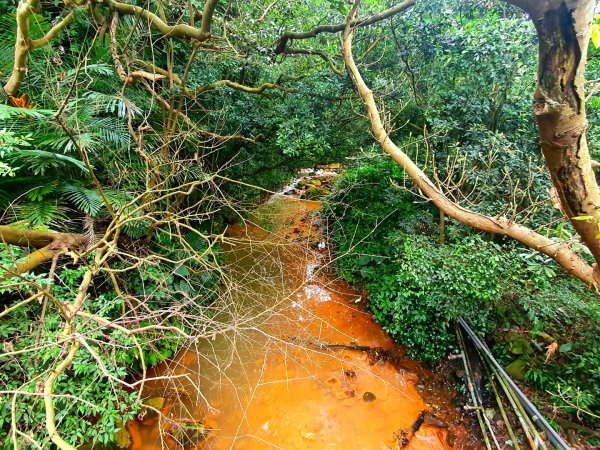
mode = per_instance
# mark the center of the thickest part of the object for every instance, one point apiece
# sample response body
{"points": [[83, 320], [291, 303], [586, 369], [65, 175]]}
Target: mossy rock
{"points": [[517, 369], [307, 184], [314, 193], [518, 344], [122, 437], [153, 404]]}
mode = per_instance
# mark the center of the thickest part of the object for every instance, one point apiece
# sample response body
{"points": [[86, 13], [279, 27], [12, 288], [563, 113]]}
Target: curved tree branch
{"points": [[24, 44], [289, 36], [181, 30], [240, 87], [559, 251], [134, 76]]}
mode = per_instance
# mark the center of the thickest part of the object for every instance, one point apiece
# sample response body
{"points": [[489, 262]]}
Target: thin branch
{"points": [[240, 87], [134, 76], [266, 11], [288, 36], [324, 56]]}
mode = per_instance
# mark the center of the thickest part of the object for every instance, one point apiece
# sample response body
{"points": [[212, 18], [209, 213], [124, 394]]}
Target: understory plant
{"points": [[388, 240]]}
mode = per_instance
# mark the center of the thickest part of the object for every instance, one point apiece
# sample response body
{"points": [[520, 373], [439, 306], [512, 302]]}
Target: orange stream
{"points": [[271, 386]]}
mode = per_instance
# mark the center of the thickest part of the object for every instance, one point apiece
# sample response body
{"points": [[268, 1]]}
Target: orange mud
{"points": [[277, 384]]}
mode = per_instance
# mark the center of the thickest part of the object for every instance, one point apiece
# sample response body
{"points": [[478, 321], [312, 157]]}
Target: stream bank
{"points": [[304, 366]]}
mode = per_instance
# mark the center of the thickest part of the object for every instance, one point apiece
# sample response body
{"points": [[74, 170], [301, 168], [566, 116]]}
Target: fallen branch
{"points": [[48, 245]]}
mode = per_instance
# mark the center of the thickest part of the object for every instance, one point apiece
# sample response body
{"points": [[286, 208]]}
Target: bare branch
{"points": [[134, 76], [240, 87], [288, 36], [24, 45]]}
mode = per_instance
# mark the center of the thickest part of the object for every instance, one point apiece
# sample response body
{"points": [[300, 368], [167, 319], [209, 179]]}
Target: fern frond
{"points": [[39, 161], [45, 213], [7, 111], [86, 200]]}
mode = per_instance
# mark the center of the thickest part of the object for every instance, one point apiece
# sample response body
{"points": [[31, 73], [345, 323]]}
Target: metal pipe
{"points": [[529, 407]]}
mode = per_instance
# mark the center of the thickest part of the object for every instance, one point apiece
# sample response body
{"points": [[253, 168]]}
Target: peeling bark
{"points": [[563, 28]]}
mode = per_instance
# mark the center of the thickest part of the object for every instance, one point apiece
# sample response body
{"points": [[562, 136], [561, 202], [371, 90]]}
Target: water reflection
{"points": [[274, 381]]}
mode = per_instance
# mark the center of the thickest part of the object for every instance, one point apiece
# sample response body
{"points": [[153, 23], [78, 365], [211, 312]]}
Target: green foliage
{"points": [[388, 242], [87, 402], [416, 287], [458, 73]]}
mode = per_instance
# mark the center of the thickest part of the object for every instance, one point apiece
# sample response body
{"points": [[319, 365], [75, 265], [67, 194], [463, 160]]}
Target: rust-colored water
{"points": [[269, 384]]}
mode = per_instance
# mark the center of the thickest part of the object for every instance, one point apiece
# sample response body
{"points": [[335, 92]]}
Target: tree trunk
{"points": [[564, 28]]}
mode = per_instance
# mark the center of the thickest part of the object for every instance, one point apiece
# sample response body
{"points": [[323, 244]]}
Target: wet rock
{"points": [[369, 397], [347, 393], [431, 419], [307, 184], [122, 437], [350, 373], [314, 193], [403, 438]]}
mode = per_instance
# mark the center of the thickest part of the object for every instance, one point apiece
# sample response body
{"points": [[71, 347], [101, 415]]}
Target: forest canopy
{"points": [[133, 133]]}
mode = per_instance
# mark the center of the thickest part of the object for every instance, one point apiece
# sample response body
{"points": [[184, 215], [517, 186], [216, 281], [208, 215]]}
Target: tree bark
{"points": [[47, 245], [563, 28]]}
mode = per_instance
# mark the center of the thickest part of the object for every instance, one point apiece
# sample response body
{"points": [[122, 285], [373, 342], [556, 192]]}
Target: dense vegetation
{"points": [[388, 241], [125, 150]]}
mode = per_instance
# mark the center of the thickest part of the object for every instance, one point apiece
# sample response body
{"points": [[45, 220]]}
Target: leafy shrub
{"points": [[90, 406], [387, 240], [31, 350]]}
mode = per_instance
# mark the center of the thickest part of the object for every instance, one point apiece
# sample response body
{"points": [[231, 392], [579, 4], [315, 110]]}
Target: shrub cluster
{"points": [[387, 239]]}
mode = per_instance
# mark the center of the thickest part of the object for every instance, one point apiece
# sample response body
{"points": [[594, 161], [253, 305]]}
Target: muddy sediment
{"points": [[307, 368]]}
